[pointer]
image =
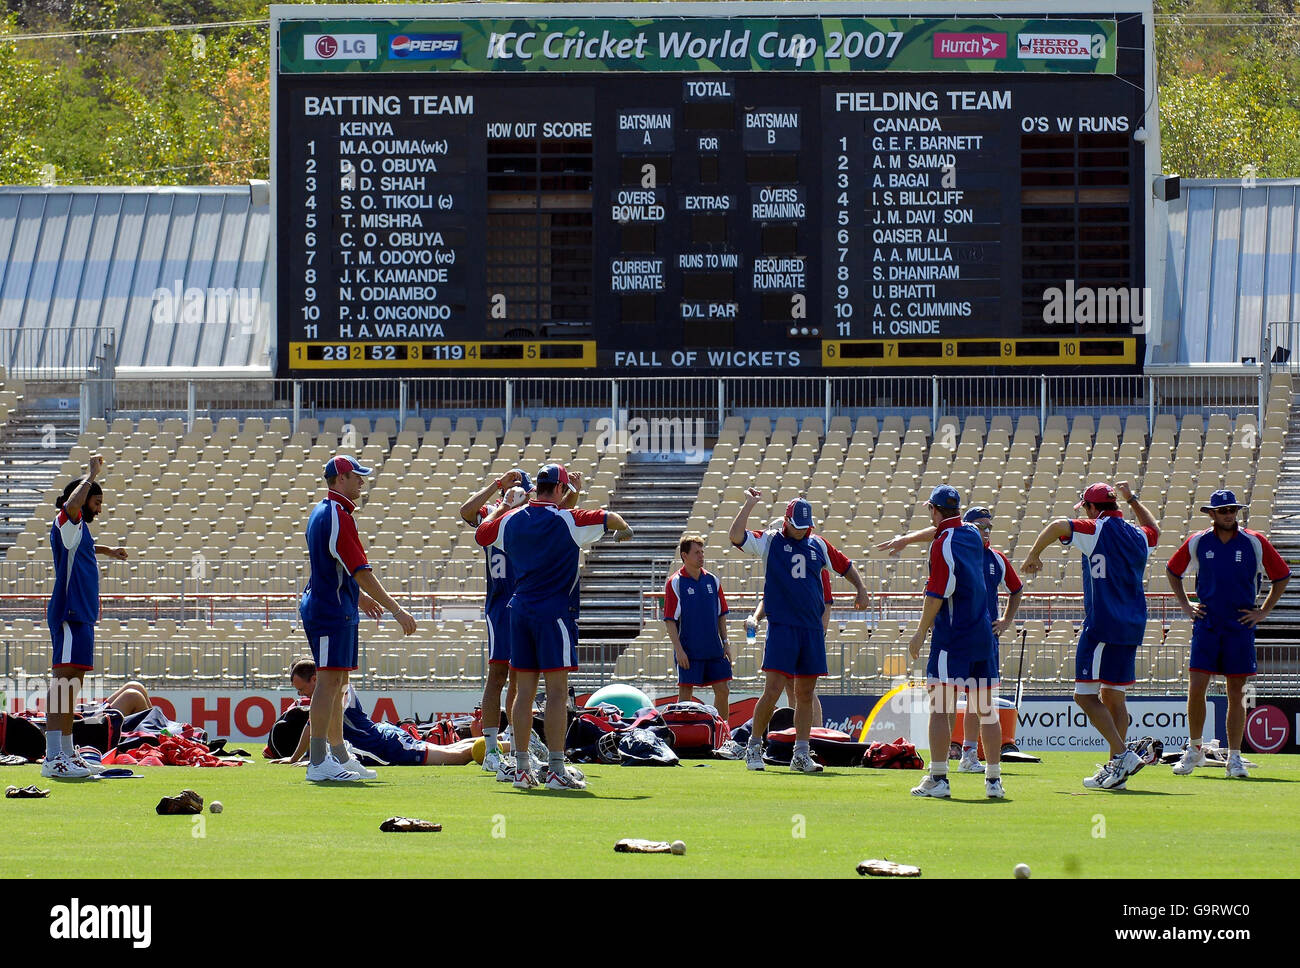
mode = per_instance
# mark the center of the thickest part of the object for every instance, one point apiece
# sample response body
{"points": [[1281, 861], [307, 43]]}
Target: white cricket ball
{"points": [[216, 807], [1022, 872], [677, 847]]}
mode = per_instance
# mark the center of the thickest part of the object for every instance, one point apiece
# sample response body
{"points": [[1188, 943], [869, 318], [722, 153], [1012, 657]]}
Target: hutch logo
{"points": [[976, 46], [329, 46], [1054, 46]]}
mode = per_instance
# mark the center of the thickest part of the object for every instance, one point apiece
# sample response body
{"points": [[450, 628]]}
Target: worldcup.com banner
{"points": [[698, 44]]}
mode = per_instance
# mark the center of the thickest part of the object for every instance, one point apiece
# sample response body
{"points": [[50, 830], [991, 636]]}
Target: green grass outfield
{"points": [[735, 824]]}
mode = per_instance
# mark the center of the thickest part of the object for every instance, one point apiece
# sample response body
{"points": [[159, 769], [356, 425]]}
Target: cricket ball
{"points": [[677, 847], [1022, 872], [216, 807]]}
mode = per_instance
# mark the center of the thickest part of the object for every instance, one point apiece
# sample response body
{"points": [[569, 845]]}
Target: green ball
{"points": [[628, 699]]}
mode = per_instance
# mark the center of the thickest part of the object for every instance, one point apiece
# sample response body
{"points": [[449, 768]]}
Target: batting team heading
{"points": [[678, 44]]}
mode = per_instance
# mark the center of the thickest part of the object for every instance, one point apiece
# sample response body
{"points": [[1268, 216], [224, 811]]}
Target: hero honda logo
{"points": [[425, 46], [330, 46], [1060, 46], [971, 46]]}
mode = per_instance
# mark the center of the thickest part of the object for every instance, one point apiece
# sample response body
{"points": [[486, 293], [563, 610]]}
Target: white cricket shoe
{"points": [[1121, 768], [1236, 768], [62, 767], [1192, 758], [94, 768], [352, 765], [993, 789], [753, 757], [932, 786], [524, 780], [330, 770], [1098, 780], [803, 763], [564, 781], [492, 760], [970, 762]]}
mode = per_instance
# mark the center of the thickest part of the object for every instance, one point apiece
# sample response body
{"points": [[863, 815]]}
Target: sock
{"points": [[69, 746], [801, 747], [490, 737], [557, 763], [318, 749], [1233, 752], [939, 769], [993, 771], [340, 753], [969, 746], [53, 744], [521, 759], [755, 741]]}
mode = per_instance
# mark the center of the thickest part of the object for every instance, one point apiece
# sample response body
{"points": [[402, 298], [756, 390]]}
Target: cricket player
{"points": [[1114, 554], [695, 613], [793, 559], [961, 647], [542, 540], [998, 573], [1229, 562], [72, 612], [342, 584]]}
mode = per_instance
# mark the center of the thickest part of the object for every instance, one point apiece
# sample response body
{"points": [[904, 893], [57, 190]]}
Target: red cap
{"points": [[1099, 493]]}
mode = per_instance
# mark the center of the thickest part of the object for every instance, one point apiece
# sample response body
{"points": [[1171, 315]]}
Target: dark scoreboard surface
{"points": [[711, 194]]}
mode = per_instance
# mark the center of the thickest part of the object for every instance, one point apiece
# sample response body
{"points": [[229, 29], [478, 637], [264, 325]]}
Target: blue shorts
{"points": [[542, 644], [1224, 647], [334, 647], [957, 668], [795, 651], [1104, 662], [498, 632], [74, 645], [705, 672], [391, 744]]}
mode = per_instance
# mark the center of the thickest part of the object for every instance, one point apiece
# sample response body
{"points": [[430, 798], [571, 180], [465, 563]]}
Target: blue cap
{"points": [[977, 513], [525, 481], [341, 464], [554, 474], [945, 498], [799, 513], [1222, 499]]}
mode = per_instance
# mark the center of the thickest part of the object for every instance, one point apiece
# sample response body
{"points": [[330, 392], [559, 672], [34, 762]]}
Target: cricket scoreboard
{"points": [[718, 188]]}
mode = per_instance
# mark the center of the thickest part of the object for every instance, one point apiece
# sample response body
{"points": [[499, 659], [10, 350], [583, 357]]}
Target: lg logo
{"points": [[1267, 729]]}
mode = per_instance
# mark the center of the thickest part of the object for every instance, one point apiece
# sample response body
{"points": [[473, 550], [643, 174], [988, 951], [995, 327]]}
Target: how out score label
{"points": [[424, 46]]}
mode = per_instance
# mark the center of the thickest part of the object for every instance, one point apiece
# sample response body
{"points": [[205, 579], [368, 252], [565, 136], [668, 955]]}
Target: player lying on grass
{"points": [[387, 743], [71, 614], [1229, 563], [961, 647], [1114, 555], [793, 560], [998, 572]]}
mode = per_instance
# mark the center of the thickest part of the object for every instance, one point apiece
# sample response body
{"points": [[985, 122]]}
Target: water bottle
{"points": [[751, 631]]}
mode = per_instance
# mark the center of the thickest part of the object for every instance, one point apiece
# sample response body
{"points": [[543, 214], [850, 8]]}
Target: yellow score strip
{"points": [[928, 353], [427, 354]]}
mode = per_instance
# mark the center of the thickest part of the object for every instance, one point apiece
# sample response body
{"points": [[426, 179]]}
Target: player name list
{"points": [[916, 209], [383, 217]]}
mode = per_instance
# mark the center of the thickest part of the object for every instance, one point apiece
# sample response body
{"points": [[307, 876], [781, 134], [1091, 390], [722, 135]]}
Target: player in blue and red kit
{"points": [[793, 559], [542, 541], [71, 614], [962, 645], [341, 586], [1229, 562], [1115, 613], [514, 488], [695, 612]]}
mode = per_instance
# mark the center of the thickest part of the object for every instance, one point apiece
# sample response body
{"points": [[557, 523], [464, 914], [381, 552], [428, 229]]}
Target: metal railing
{"points": [[1230, 390], [56, 353]]}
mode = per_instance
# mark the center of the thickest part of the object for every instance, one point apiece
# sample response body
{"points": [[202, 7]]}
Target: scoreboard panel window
{"points": [[720, 188]]}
